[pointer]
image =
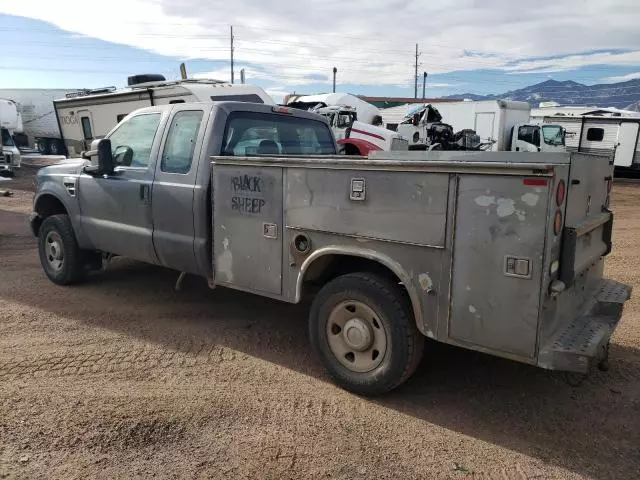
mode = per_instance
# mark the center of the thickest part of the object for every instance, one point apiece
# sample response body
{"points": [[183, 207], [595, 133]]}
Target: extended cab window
{"points": [[181, 142], [253, 133], [132, 141]]}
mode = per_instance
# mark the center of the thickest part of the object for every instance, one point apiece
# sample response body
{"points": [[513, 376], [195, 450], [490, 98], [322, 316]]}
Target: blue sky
{"points": [[63, 50]]}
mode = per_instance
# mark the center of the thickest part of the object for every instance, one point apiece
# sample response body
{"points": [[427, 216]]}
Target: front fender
{"points": [[50, 187], [383, 259]]}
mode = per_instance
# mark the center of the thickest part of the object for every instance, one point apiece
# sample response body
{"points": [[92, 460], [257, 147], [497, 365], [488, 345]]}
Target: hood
{"points": [[67, 166]]}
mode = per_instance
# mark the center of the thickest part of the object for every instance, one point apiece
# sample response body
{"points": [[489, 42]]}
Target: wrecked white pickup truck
{"points": [[498, 252]]}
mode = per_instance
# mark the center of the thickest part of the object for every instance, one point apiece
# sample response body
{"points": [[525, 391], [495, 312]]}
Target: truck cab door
{"points": [[116, 209], [174, 189]]}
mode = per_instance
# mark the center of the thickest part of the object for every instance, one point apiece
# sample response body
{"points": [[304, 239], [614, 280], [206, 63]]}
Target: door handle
{"points": [[145, 193]]}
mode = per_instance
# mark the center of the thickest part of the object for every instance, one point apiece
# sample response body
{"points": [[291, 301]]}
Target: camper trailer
{"points": [[602, 134], [86, 115]]}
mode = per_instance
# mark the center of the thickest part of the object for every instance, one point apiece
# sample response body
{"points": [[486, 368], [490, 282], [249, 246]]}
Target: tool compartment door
{"points": [[247, 228], [497, 262]]}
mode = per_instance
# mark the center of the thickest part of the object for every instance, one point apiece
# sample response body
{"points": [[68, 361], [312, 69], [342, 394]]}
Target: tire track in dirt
{"points": [[122, 359]]}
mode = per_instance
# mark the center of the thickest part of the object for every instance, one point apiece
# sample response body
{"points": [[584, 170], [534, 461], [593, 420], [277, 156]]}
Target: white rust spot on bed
{"points": [[425, 282], [473, 311], [224, 265], [506, 207], [530, 199], [485, 200]]}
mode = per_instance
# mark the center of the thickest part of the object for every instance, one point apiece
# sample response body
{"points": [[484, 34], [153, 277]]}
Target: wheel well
{"points": [[351, 149], [48, 205], [45, 206], [328, 267]]}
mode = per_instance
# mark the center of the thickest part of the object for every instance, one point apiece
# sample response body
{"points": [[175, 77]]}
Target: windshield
{"points": [[553, 135], [7, 141], [413, 110]]}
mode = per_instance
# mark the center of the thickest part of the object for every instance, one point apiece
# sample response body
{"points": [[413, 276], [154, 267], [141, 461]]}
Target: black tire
{"points": [[72, 266], [42, 146], [404, 342]]}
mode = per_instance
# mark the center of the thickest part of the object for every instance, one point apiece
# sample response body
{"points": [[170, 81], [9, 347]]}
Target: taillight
{"points": [[561, 193], [557, 222]]}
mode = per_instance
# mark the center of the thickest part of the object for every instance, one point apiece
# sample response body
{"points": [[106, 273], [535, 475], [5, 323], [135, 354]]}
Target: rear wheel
{"points": [[362, 328], [54, 147], [61, 258]]}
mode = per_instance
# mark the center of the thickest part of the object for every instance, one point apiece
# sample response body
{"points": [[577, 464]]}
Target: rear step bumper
{"points": [[585, 341]]}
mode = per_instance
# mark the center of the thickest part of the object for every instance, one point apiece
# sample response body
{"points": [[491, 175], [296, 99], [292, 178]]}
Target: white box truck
{"points": [[10, 123], [501, 125]]}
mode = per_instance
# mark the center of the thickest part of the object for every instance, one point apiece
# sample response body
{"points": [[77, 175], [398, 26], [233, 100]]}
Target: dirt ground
{"points": [[123, 377]]}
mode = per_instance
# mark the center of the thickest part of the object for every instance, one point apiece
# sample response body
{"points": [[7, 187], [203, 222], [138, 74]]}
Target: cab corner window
{"points": [[132, 141], [181, 142]]}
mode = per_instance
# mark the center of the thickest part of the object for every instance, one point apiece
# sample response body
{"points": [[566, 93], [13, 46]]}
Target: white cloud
{"points": [[370, 41], [571, 62], [622, 78]]}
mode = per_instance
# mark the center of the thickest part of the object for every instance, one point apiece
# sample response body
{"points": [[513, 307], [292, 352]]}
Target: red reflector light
{"points": [[535, 182], [557, 222], [561, 192]]}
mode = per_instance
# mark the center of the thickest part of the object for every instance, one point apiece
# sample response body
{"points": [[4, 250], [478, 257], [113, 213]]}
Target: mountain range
{"points": [[619, 95]]}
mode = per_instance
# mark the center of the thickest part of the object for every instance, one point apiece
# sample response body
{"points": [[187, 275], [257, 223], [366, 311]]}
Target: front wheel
{"points": [[362, 328], [61, 258]]}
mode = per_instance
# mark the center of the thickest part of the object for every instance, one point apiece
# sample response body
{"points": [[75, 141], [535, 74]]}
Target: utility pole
{"points": [[415, 75], [231, 53], [335, 70], [424, 84]]}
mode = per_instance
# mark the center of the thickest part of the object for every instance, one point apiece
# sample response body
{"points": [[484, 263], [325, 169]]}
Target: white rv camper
{"points": [[89, 114], [602, 135]]}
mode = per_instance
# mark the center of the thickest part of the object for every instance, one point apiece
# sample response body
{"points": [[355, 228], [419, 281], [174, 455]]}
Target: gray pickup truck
{"points": [[497, 252]]}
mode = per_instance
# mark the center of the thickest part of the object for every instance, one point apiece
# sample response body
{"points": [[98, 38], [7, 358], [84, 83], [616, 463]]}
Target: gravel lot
{"points": [[123, 377]]}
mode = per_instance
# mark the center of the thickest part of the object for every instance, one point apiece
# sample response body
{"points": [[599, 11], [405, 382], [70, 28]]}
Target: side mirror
{"points": [[416, 120], [101, 158]]}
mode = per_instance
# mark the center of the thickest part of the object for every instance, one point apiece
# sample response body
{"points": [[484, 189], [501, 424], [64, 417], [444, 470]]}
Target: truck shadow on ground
{"points": [[515, 406]]}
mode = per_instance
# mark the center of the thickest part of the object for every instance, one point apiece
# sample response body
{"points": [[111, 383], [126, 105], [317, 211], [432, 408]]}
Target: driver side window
{"points": [[131, 143]]}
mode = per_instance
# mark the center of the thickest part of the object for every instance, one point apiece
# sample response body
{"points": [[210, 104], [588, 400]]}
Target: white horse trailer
{"points": [[603, 135], [87, 115]]}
